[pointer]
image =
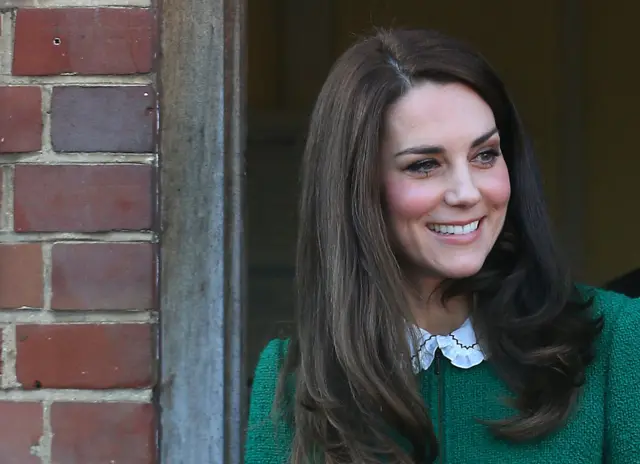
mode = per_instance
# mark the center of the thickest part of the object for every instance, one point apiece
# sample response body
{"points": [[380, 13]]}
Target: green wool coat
{"points": [[604, 428]]}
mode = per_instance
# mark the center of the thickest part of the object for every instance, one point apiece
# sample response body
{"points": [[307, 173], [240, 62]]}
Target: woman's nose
{"points": [[462, 190]]}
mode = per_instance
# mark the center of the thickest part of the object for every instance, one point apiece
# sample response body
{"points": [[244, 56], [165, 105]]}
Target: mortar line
{"points": [[47, 291], [48, 156], [46, 118], [5, 20], [76, 317], [78, 80], [9, 376], [46, 441], [8, 182], [78, 237], [8, 31], [7, 197], [77, 4], [17, 395]]}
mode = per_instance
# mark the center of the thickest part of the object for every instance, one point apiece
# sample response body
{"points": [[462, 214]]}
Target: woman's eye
{"points": [[488, 157], [423, 166]]}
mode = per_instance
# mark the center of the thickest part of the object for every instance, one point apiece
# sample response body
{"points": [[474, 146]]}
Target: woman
{"points": [[435, 321]]}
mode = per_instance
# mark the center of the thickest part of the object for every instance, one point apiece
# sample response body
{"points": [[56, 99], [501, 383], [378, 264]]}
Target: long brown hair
{"points": [[349, 358]]}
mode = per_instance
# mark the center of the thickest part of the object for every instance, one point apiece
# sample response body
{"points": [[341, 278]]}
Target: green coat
{"points": [[605, 426]]}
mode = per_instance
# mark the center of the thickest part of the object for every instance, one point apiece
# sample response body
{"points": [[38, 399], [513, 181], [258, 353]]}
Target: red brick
{"points": [[94, 356], [83, 41], [20, 429], [103, 433], [103, 119], [21, 276], [103, 276], [83, 198], [20, 119]]}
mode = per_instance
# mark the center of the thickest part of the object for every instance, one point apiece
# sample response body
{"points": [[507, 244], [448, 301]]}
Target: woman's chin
{"points": [[461, 271], [453, 267]]}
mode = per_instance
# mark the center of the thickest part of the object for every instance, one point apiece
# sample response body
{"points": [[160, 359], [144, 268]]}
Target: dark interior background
{"points": [[570, 66]]}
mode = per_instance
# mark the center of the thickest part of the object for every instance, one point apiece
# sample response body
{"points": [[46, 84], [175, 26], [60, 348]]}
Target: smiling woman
{"points": [[446, 197], [424, 235]]}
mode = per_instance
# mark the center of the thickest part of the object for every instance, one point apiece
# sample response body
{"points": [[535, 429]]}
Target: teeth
{"points": [[454, 230]]}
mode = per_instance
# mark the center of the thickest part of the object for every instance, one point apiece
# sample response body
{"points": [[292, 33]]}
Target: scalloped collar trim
{"points": [[460, 347]]}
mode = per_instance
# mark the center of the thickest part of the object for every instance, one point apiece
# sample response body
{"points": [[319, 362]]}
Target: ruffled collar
{"points": [[460, 347]]}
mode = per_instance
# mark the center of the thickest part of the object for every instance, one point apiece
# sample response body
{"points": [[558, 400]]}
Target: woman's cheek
{"points": [[498, 187], [410, 199]]}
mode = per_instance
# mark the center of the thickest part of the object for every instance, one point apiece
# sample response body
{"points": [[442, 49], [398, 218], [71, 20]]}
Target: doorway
{"points": [[564, 63]]}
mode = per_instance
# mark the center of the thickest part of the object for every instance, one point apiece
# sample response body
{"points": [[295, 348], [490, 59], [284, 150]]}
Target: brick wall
{"points": [[77, 242]]}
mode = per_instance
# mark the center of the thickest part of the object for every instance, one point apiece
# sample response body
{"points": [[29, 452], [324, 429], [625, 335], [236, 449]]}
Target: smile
{"points": [[448, 229]]}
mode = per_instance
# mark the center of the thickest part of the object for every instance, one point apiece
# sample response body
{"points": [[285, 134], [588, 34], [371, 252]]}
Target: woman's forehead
{"points": [[437, 114]]}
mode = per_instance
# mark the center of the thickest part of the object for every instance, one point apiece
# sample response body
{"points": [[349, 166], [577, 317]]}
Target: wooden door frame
{"points": [[202, 267]]}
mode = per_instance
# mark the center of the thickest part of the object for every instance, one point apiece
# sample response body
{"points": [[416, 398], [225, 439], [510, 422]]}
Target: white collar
{"points": [[460, 347]]}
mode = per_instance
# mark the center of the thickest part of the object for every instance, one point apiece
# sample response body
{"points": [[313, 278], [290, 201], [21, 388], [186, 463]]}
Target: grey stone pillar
{"points": [[201, 84]]}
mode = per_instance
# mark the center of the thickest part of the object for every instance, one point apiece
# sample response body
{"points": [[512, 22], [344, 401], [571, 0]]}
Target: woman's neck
{"points": [[429, 312]]}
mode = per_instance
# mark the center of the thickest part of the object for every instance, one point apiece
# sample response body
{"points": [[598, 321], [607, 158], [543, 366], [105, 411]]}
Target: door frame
{"points": [[201, 84]]}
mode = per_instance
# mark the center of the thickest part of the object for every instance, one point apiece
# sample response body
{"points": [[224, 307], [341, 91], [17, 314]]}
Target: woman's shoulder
{"points": [[618, 357], [268, 434], [270, 362], [621, 321], [272, 355], [613, 306]]}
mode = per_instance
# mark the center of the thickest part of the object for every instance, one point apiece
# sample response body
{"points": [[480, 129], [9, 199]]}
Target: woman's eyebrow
{"points": [[439, 149]]}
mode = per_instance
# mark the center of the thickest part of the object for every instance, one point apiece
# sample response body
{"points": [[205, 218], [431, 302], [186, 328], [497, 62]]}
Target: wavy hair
{"points": [[349, 359]]}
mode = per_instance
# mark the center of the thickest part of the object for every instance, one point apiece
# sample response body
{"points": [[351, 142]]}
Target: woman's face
{"points": [[446, 184]]}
